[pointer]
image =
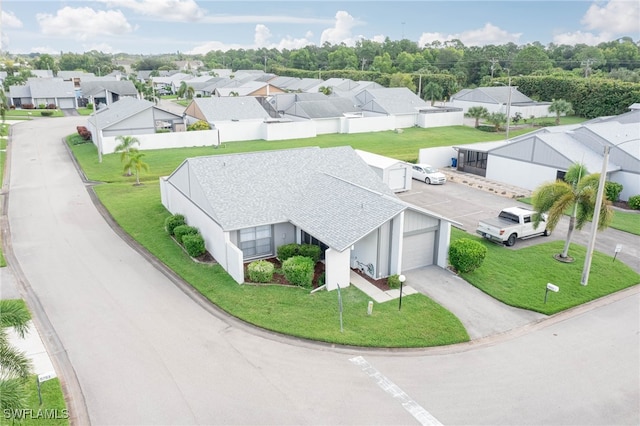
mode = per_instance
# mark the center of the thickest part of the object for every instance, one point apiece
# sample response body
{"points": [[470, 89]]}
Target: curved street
{"points": [[132, 346]]}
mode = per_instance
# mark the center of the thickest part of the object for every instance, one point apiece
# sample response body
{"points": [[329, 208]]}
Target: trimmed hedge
{"points": [[634, 202], [612, 190], [194, 244], [286, 251], [466, 255], [182, 230], [172, 222], [299, 270], [307, 250], [260, 271]]}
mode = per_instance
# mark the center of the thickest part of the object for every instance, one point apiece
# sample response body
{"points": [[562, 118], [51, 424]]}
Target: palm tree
{"points": [[560, 106], [190, 92], [433, 91], [497, 119], [135, 161], [125, 147], [326, 90], [477, 112], [3, 105], [577, 192], [182, 89], [15, 367]]}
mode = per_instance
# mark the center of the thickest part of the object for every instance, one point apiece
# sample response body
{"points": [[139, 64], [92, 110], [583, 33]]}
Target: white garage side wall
{"points": [[437, 157], [215, 238], [337, 270], [288, 130], [442, 244], [629, 181], [365, 251], [232, 131], [397, 241], [165, 140], [519, 173], [328, 126]]}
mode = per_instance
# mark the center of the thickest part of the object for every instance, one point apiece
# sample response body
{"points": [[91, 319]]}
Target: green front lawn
{"points": [[20, 114], [287, 310], [52, 412], [519, 277]]}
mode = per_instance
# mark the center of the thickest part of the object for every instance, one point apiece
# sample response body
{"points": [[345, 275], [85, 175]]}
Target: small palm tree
{"points": [[433, 92], [560, 106], [190, 92], [497, 119], [126, 145], [135, 161], [15, 367], [326, 90], [577, 193], [477, 112], [182, 89]]}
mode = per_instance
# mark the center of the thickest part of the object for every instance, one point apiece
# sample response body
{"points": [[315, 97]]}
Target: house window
{"points": [[256, 242]]}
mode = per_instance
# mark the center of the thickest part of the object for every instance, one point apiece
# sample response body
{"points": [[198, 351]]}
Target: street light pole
{"points": [[509, 109], [98, 139], [402, 279]]}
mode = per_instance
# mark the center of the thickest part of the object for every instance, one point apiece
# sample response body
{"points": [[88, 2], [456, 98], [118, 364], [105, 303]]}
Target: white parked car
{"points": [[428, 174]]}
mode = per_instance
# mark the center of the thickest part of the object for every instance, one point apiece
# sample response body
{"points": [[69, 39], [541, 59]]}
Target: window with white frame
{"points": [[256, 242]]}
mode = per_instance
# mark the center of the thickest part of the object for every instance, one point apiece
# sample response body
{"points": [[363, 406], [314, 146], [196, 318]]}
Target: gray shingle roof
{"points": [[330, 193], [396, 100], [122, 87], [325, 108], [120, 110], [492, 95], [231, 108]]}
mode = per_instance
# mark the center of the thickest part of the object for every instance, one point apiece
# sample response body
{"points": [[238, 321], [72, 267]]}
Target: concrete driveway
{"points": [[467, 205]]}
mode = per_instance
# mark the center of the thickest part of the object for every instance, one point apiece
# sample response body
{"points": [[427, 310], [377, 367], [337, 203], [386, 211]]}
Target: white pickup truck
{"points": [[512, 223]]}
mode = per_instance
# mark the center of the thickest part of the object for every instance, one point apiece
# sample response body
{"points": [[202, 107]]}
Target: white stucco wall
{"points": [[328, 126], [288, 130], [165, 140], [369, 124], [440, 119], [519, 173], [438, 157], [442, 244], [365, 251], [337, 270], [245, 130], [629, 181]]}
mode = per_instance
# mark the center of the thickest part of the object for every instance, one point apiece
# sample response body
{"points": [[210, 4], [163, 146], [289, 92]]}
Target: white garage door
{"points": [[418, 250], [66, 103], [397, 178]]}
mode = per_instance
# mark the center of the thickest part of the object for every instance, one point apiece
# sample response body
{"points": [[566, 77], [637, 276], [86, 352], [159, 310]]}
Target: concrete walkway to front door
{"points": [[375, 293], [481, 314]]}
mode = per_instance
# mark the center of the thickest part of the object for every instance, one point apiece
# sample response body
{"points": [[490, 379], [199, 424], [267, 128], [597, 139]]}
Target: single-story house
{"points": [[44, 91], [247, 205], [395, 173], [107, 91], [546, 154], [249, 88], [233, 108], [500, 99], [130, 117]]}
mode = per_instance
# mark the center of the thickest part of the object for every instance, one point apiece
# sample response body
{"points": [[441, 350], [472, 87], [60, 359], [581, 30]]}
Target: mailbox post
{"points": [[550, 287]]}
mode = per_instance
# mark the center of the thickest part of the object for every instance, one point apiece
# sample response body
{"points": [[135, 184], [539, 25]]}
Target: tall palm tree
{"points": [[3, 105], [433, 92], [125, 147], [15, 367], [135, 161], [477, 112], [577, 193], [560, 106], [190, 92]]}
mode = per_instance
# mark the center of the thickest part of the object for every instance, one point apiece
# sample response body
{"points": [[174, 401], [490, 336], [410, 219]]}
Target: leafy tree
{"points": [[530, 59], [15, 367], [406, 62], [135, 162], [433, 92], [326, 90], [182, 89], [577, 193], [560, 106], [125, 148], [343, 58], [497, 119], [46, 62], [383, 63], [402, 80], [478, 113]]}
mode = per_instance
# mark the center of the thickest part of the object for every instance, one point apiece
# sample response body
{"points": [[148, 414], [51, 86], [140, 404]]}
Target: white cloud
{"points": [[579, 37], [262, 35], [10, 20], [380, 38], [42, 49], [616, 16], [83, 22], [205, 48], [99, 47], [292, 43], [489, 34], [167, 10], [341, 30]]}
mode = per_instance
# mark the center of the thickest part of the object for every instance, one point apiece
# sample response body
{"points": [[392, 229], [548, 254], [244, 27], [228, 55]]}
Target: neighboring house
{"points": [[42, 73], [394, 173], [498, 99], [247, 205], [234, 108], [249, 88], [130, 117], [189, 65], [107, 91], [43, 91], [546, 154]]}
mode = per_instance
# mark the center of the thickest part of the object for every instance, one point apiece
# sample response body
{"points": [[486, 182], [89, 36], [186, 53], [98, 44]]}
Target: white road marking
{"points": [[423, 416]]}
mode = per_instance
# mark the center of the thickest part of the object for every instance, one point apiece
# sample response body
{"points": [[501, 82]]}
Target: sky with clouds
{"points": [[198, 26]]}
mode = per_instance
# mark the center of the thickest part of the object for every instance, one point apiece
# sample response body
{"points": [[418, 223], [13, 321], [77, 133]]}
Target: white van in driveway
{"points": [[428, 174]]}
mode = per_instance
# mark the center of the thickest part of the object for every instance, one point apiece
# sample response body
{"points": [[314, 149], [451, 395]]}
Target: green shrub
{"points": [[46, 113], [634, 202], [466, 255], [299, 270], [193, 244], [393, 281], [180, 231], [260, 271], [172, 222], [613, 190], [287, 250], [310, 250], [42, 106], [199, 125]]}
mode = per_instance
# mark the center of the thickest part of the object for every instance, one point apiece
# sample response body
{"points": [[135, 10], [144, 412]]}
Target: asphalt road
{"points": [[145, 352]]}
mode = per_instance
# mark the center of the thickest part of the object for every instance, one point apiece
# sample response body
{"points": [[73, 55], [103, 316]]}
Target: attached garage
{"points": [[418, 250], [395, 173], [67, 103]]}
